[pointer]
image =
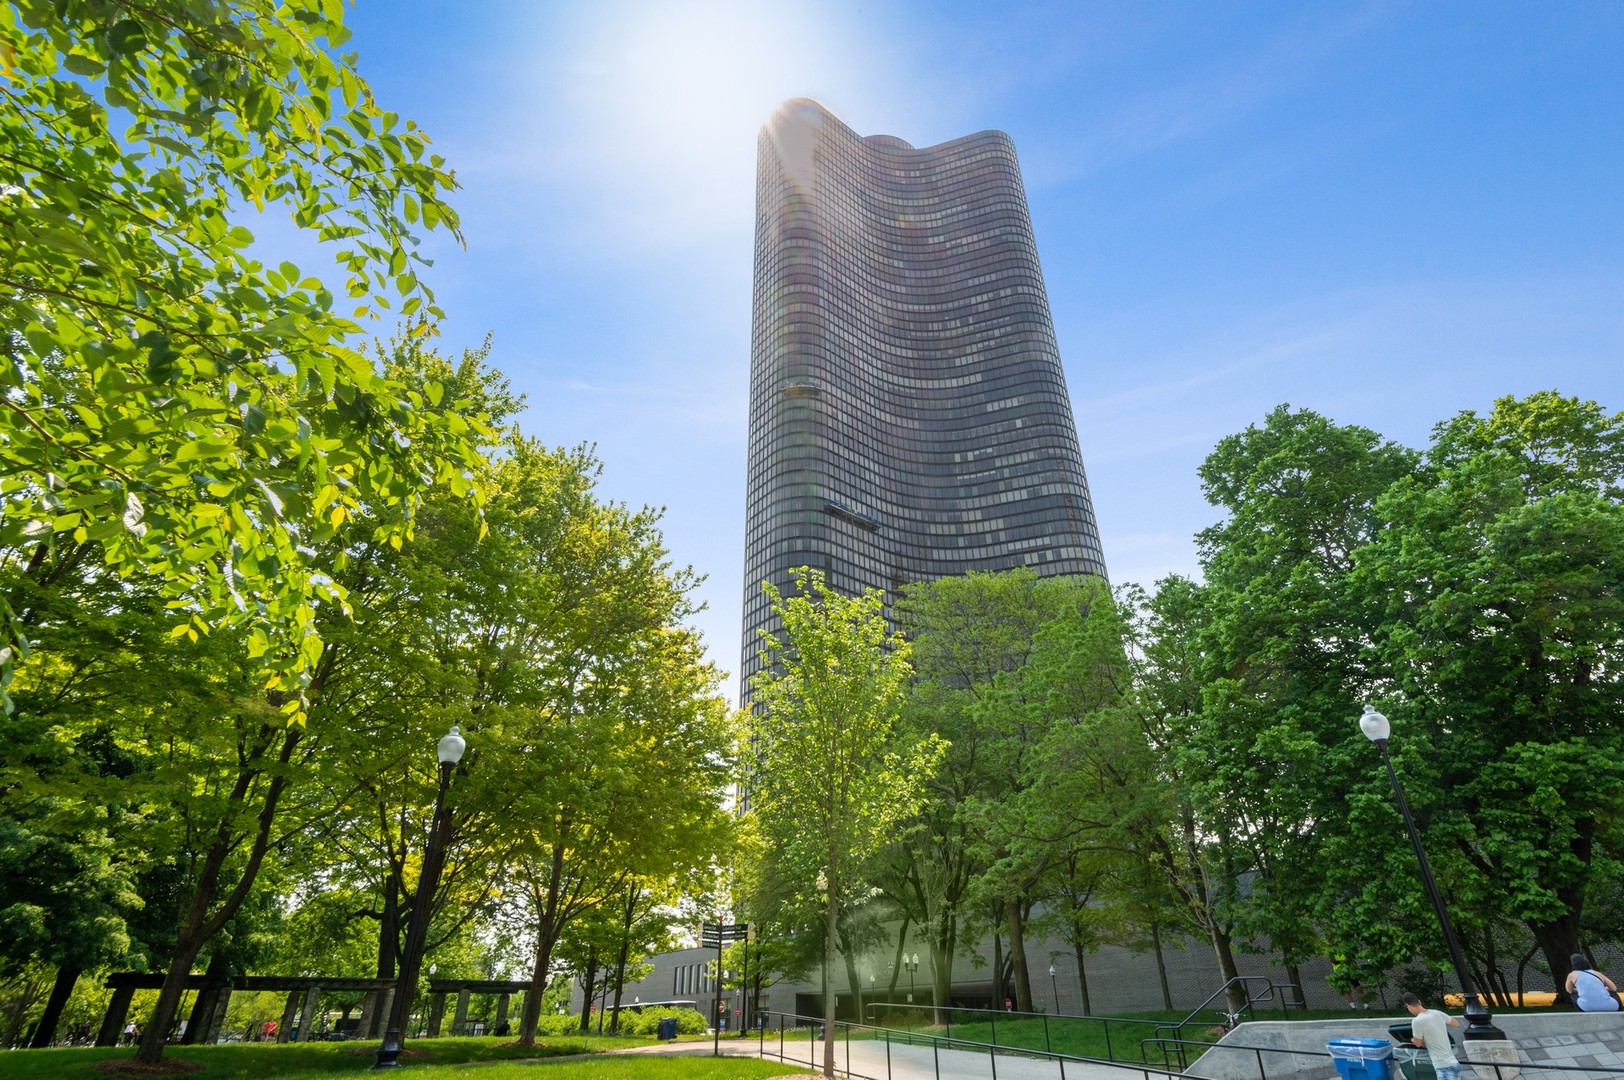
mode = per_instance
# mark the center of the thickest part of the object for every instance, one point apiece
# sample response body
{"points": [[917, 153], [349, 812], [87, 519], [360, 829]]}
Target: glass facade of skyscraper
{"points": [[908, 413]]}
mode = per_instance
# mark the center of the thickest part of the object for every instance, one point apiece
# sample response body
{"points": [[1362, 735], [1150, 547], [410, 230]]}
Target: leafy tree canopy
{"points": [[196, 414]]}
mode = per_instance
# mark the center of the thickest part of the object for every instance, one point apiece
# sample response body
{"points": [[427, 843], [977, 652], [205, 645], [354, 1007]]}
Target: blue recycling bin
{"points": [[666, 1028], [1362, 1059]]}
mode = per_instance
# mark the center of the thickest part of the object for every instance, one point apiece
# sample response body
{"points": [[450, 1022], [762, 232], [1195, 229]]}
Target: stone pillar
{"points": [[118, 1010], [386, 1005], [501, 1012], [307, 1020], [461, 1021], [436, 1013], [367, 1028], [217, 1017], [289, 1012]]}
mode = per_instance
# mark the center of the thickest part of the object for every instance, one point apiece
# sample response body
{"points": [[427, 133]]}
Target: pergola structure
{"points": [[464, 989], [216, 993], [304, 994]]}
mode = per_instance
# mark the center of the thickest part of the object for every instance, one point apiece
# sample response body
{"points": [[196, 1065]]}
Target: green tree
{"points": [[1017, 832], [62, 901], [831, 779], [1283, 652], [967, 634], [1500, 579], [394, 674], [606, 743], [194, 415], [1078, 684]]}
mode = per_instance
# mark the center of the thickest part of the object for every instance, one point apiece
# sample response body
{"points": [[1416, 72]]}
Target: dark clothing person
{"points": [[1590, 989]]}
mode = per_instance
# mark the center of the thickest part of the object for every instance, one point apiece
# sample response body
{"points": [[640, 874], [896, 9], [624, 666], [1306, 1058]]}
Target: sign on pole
{"points": [[712, 936]]}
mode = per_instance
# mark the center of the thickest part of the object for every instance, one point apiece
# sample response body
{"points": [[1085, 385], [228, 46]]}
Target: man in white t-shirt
{"points": [[1431, 1031]]}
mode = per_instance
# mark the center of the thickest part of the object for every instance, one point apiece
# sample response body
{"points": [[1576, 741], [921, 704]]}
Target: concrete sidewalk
{"points": [[876, 1060]]}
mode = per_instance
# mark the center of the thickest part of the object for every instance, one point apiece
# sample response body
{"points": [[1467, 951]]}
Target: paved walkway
{"points": [[876, 1061]]}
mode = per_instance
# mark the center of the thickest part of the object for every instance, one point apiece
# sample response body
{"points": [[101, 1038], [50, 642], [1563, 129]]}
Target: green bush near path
{"points": [[230, 1061]]}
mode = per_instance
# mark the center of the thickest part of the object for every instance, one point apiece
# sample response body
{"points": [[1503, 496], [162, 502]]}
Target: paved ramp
{"points": [[875, 1060]]}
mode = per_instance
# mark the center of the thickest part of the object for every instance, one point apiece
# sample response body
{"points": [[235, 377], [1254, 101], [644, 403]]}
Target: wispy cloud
{"points": [[1193, 104]]}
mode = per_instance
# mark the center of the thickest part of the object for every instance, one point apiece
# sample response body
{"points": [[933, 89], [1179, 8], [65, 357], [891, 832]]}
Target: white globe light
{"points": [[452, 744], [1374, 724]]}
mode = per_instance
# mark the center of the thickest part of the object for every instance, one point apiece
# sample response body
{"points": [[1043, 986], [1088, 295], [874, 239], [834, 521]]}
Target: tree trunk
{"points": [[898, 959], [755, 992], [603, 999], [45, 1029], [1017, 957], [943, 945], [1161, 964], [829, 940], [1294, 977], [941, 974], [999, 986], [625, 950], [1558, 940], [545, 936], [1235, 994], [590, 987], [374, 1020], [1082, 980], [1522, 967], [198, 926], [848, 956], [202, 1014]]}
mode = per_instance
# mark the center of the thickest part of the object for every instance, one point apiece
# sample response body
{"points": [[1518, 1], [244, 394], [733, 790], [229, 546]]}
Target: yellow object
{"points": [[1534, 997]]}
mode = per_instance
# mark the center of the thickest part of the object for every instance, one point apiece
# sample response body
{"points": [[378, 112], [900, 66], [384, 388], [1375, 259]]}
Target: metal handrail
{"points": [[912, 1037], [993, 1015], [1168, 1033], [937, 1043]]}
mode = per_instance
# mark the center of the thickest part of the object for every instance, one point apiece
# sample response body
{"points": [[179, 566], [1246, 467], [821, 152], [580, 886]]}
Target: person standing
{"points": [[1590, 989], [1430, 1030]]}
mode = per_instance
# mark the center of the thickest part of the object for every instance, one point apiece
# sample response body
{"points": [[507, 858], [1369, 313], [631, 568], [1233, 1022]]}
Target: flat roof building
{"points": [[908, 414]]}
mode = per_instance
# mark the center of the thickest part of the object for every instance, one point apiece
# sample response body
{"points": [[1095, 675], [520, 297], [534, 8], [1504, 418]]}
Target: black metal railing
{"points": [[1169, 1041], [1161, 1056], [947, 1015], [883, 1061]]}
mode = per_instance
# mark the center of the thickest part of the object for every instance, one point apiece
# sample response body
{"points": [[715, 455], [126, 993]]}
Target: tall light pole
{"points": [[452, 744], [1479, 1024], [912, 964], [1056, 988]]}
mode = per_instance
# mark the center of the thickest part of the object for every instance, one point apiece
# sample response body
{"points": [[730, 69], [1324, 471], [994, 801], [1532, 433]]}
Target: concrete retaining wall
{"points": [[1565, 1039]]}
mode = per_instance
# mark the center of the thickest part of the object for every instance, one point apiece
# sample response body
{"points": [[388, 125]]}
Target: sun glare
{"points": [[665, 100]]}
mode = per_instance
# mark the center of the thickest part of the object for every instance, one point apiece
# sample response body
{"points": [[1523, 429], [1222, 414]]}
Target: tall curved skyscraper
{"points": [[908, 412]]}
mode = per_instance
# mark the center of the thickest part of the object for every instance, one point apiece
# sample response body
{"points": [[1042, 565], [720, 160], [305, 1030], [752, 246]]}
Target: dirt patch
{"points": [[132, 1067]]}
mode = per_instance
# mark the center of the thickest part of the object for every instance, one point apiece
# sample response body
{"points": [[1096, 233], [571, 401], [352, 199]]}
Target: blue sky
{"points": [[1385, 212]]}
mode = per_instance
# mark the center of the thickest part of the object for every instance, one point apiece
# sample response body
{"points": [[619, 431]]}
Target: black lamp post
{"points": [[451, 747], [1479, 1024], [1056, 988]]}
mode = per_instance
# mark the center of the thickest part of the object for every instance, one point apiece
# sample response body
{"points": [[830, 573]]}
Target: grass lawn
{"points": [[1116, 1038], [427, 1057], [632, 1067]]}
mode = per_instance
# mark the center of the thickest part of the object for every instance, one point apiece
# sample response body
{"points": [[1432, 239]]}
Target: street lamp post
{"points": [[452, 744], [912, 964], [1056, 988], [1479, 1023]]}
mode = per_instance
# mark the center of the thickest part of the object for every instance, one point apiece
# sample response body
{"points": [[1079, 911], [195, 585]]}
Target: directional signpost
{"points": [[715, 935]]}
